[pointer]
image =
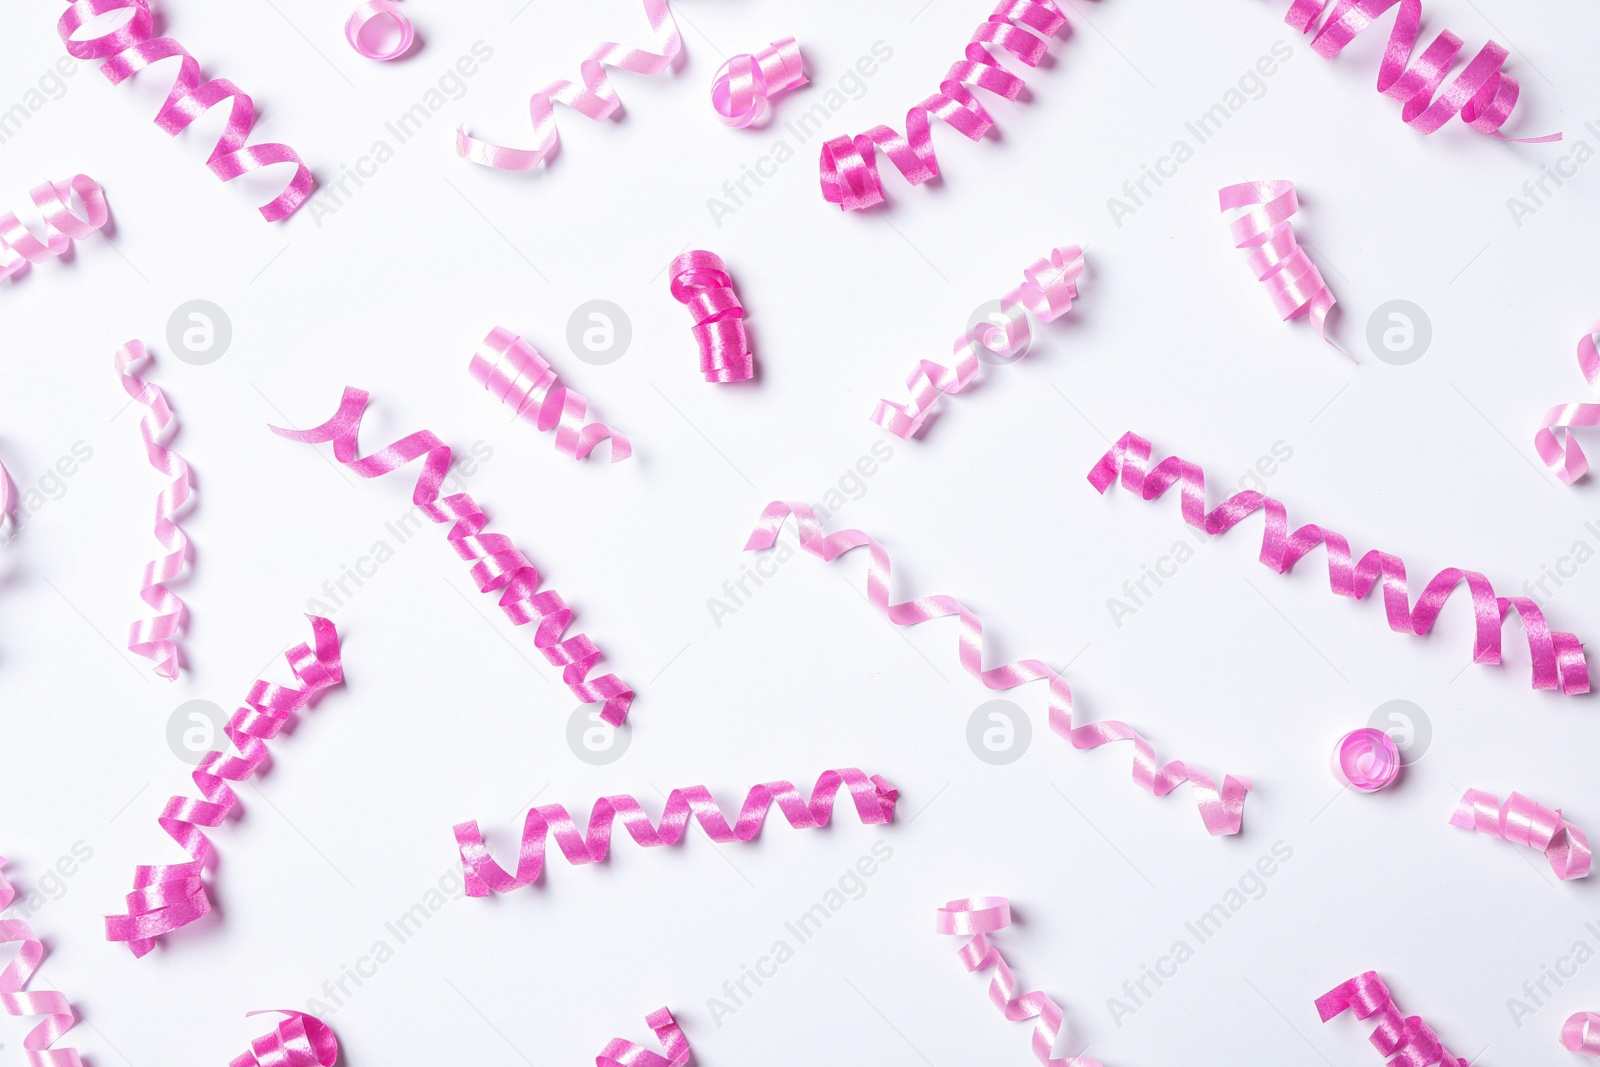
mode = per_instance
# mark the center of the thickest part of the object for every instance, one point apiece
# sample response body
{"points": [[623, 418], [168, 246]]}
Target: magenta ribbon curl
{"points": [[57, 1015], [1048, 288], [1262, 230], [1581, 1033], [849, 167], [1557, 658], [132, 47], [620, 1053], [1366, 760], [497, 565], [518, 375], [1524, 822], [19, 247], [1555, 441], [594, 99], [371, 11], [701, 283], [979, 917], [874, 799], [301, 1040], [744, 84], [1404, 1042], [1221, 812], [168, 896]]}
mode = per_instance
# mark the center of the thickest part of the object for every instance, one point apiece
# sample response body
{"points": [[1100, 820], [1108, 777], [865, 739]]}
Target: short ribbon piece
{"points": [[62, 226], [1581, 1033], [518, 375], [1404, 1042], [1262, 230], [620, 1053], [1524, 822], [379, 12], [702, 284], [743, 85], [1366, 760], [1555, 441], [301, 1040], [56, 1014]]}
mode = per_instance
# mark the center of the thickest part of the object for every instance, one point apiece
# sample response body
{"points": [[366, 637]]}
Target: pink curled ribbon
{"points": [[1366, 760], [874, 799], [301, 1040], [594, 99], [518, 375], [743, 85], [62, 226], [1048, 288], [155, 638], [56, 1014], [620, 1053], [979, 917], [1558, 660], [1524, 822], [379, 11], [1404, 1042], [1555, 441], [702, 284], [1276, 259], [169, 896], [849, 167], [497, 565], [1221, 812], [131, 47], [1581, 1033]]}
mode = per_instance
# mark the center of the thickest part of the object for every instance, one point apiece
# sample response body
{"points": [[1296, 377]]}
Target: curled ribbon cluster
{"points": [[132, 47], [169, 896], [621, 1053], [497, 565], [1048, 288], [1222, 812], [301, 1040], [743, 85], [1403, 1041], [874, 799], [62, 225], [1524, 822], [702, 284], [849, 166], [1555, 442], [380, 12], [1558, 660], [56, 1014], [1581, 1033], [518, 375], [979, 917], [1276, 259]]}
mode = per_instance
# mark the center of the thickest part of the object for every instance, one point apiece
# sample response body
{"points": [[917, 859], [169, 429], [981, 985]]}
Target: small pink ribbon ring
{"points": [[373, 16], [1581, 1034], [742, 85], [1366, 760]]}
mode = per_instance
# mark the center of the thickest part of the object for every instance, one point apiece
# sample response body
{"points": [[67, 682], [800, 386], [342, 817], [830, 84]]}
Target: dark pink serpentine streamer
{"points": [[169, 896], [497, 565], [1524, 822], [132, 47], [1262, 230], [621, 1053], [56, 1013], [1558, 660], [1581, 1033], [1222, 812], [1404, 1042], [301, 1040], [62, 226], [518, 375], [1555, 441], [701, 283], [874, 799]]}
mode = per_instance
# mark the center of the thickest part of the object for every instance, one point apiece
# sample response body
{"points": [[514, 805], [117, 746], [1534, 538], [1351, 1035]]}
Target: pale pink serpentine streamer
{"points": [[742, 87], [1262, 230], [621, 1053], [1581, 1033], [518, 375], [301, 1040], [56, 1014], [1525, 822], [1555, 441], [1404, 1042], [62, 226]]}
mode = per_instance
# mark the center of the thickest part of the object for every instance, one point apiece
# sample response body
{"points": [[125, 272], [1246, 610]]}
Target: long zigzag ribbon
{"points": [[19, 247], [1405, 1042], [1221, 812], [1558, 659], [1555, 441], [621, 1053], [301, 1040], [874, 799], [57, 1016], [1525, 822], [169, 896], [517, 374], [496, 563]]}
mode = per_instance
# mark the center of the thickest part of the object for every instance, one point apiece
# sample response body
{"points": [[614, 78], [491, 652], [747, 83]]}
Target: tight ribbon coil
{"points": [[743, 85], [702, 284], [518, 375], [874, 799], [1222, 812], [1404, 1042], [1555, 441], [849, 166], [497, 565], [379, 12], [56, 1015], [1558, 660], [132, 47], [1276, 259], [1048, 288], [1366, 760], [1524, 822], [62, 226], [169, 896], [301, 1040], [1581, 1033], [621, 1053]]}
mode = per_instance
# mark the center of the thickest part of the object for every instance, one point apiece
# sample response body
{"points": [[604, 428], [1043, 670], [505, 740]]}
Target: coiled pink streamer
{"points": [[1558, 660], [744, 84], [1581, 1033], [1048, 288], [131, 48], [1524, 822], [849, 166], [874, 799], [370, 12], [170, 896], [594, 99], [518, 375], [1273, 249], [1482, 94], [155, 638], [1222, 812], [497, 566], [62, 226], [620, 1053], [1403, 1042], [980, 917], [301, 1040], [701, 283], [1555, 441], [57, 1015]]}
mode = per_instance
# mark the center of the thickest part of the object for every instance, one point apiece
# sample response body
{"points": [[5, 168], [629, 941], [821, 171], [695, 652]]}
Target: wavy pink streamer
{"points": [[62, 226], [372, 11], [301, 1040], [701, 283], [1221, 812], [1558, 660], [874, 799], [594, 99], [849, 166], [1262, 230], [1581, 1033], [518, 375], [1048, 288], [57, 1014], [742, 87], [620, 1053], [132, 47], [1555, 442], [169, 896], [1525, 822], [497, 565], [1404, 1042]]}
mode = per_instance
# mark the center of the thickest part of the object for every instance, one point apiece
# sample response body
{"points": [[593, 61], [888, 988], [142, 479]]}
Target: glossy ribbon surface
{"points": [[62, 226], [1555, 441], [56, 1015], [744, 84], [1581, 1033], [701, 283], [301, 1040], [1272, 248], [373, 11], [1366, 760], [1524, 822], [620, 1053], [518, 375], [1403, 1042]]}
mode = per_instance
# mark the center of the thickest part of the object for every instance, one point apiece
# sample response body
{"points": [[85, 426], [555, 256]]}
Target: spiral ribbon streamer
{"points": [[131, 47], [19, 247], [1581, 1033], [874, 799], [169, 896], [497, 565], [701, 283], [1262, 230], [1524, 822], [1555, 441], [301, 1040], [1558, 660], [594, 99], [849, 166], [57, 1015], [373, 11], [1222, 812], [1048, 288], [620, 1053], [743, 85], [1404, 1042], [518, 375]]}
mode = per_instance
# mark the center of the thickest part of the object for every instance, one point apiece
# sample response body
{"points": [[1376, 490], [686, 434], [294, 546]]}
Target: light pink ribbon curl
{"points": [[1273, 250], [1404, 1042], [1555, 442], [56, 1014], [1524, 822], [1581, 1033], [620, 1053], [743, 85], [518, 375], [373, 11], [701, 283], [301, 1040], [62, 226]]}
